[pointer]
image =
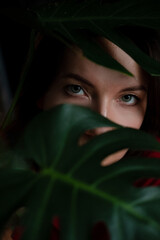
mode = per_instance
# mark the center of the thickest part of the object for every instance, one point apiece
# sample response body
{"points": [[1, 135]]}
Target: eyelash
{"points": [[136, 99], [69, 90]]}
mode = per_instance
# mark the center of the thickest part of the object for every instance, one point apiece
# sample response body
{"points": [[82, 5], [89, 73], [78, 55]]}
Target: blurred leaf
{"points": [[64, 18], [71, 183]]}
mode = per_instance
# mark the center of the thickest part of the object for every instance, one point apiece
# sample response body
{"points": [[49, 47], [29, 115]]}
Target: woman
{"points": [[121, 98], [69, 77], [61, 75]]}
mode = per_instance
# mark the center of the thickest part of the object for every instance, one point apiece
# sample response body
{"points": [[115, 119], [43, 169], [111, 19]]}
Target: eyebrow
{"points": [[135, 88], [79, 78]]}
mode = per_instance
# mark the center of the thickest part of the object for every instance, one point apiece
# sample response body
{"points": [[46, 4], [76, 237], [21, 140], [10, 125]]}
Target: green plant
{"points": [[91, 192]]}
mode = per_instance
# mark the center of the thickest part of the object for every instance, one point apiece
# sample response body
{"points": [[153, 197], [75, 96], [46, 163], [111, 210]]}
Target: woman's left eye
{"points": [[129, 99], [75, 90]]}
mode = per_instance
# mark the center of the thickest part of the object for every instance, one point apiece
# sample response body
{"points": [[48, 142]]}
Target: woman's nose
{"points": [[103, 109]]}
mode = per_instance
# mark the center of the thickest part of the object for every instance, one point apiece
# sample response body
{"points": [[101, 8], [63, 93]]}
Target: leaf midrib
{"points": [[54, 174]]}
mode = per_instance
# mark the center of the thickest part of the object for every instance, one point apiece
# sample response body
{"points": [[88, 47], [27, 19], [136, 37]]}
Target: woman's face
{"points": [[116, 96]]}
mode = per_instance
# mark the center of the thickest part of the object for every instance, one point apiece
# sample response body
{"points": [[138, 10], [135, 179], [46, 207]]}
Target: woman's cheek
{"points": [[129, 117]]}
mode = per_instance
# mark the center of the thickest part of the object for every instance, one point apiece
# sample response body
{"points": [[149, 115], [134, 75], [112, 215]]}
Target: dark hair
{"points": [[46, 64], [44, 67], [148, 40]]}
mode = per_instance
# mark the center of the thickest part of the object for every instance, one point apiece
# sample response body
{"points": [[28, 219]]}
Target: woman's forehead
{"points": [[75, 60]]}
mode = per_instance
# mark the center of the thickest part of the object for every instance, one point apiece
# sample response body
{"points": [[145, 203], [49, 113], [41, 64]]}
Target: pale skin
{"points": [[116, 96]]}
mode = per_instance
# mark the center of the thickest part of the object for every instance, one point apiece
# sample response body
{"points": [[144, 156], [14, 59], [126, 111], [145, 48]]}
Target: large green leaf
{"points": [[62, 19], [15, 185], [71, 183]]}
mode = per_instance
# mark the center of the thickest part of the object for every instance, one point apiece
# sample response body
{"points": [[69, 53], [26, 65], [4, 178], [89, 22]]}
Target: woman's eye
{"points": [[129, 99], [75, 90]]}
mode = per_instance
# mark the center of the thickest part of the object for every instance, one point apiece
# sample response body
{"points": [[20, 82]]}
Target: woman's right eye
{"points": [[74, 90]]}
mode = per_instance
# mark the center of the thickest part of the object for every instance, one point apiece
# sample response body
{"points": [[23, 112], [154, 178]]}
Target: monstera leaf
{"points": [[71, 184], [68, 21]]}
